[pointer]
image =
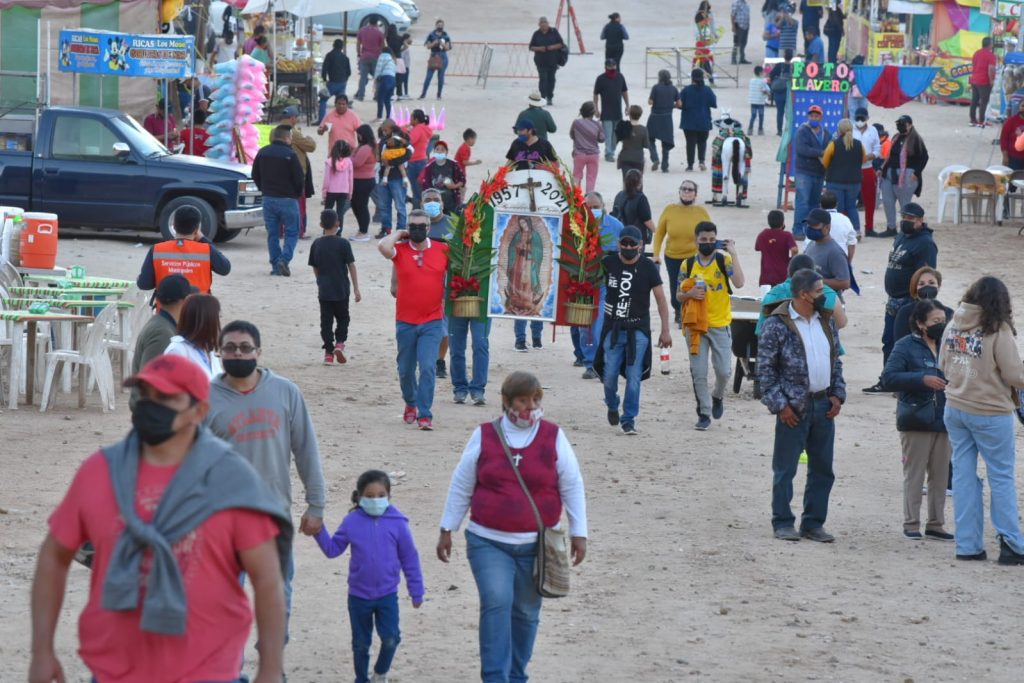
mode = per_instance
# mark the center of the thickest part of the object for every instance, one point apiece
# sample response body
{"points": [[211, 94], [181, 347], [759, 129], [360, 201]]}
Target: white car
{"points": [[411, 9], [386, 13]]}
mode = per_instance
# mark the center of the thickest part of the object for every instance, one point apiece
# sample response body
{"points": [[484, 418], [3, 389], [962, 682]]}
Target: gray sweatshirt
{"points": [[267, 426]]}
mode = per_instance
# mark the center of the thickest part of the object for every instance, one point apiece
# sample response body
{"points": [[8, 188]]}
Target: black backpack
{"points": [[719, 261], [781, 84]]}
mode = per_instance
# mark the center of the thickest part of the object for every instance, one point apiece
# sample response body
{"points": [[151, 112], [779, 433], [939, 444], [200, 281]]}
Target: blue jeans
{"points": [[771, 51], [756, 112], [609, 138], [509, 607], [418, 345], [366, 69], [808, 196], [363, 615], [385, 90], [391, 192], [585, 339], [536, 329], [815, 433], [278, 211], [780, 110], [847, 195], [334, 89], [415, 168], [992, 436], [458, 330], [614, 358], [440, 76]]}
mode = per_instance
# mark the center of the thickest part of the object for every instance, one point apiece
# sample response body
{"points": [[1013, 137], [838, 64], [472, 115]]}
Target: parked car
{"points": [[411, 9], [387, 12], [100, 169]]}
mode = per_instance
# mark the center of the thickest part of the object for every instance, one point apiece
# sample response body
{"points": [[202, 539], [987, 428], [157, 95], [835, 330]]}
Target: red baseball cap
{"points": [[170, 374], [814, 109]]}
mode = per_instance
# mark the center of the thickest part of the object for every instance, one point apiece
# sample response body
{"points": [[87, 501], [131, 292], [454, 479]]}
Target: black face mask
{"points": [[906, 227], [417, 233], [935, 331], [901, 128], [927, 292], [629, 253], [239, 367], [819, 302], [706, 248], [153, 421]]}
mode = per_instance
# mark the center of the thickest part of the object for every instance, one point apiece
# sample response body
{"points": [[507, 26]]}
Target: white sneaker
{"points": [[379, 678]]}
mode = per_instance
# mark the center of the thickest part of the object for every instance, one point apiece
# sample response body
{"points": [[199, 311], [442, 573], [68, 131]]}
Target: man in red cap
{"points": [[808, 172], [173, 509]]}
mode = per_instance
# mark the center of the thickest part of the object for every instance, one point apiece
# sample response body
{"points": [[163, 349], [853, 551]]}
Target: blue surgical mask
{"points": [[813, 123], [813, 234], [374, 507], [522, 138], [440, 156], [433, 209], [597, 213]]}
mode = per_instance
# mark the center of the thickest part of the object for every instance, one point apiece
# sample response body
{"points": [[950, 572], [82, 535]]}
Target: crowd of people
{"points": [[196, 500]]}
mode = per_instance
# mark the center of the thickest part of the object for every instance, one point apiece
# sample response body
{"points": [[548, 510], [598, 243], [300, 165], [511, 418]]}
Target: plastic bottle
{"points": [[666, 362]]}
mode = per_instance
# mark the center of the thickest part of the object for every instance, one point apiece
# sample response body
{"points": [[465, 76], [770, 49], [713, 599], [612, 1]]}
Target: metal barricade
{"points": [[680, 61], [483, 60]]}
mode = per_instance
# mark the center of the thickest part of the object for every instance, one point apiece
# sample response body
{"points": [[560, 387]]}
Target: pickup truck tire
{"points": [[209, 216], [225, 235]]}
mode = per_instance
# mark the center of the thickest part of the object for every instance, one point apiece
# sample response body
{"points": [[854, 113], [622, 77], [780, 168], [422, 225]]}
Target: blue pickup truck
{"points": [[100, 169]]}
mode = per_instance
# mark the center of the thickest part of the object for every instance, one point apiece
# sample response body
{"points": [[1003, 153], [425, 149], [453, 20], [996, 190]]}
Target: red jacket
{"points": [[1013, 128]]}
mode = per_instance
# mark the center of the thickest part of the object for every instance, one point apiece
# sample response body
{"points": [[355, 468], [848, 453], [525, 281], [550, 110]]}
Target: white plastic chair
{"points": [[9, 276], [999, 169], [93, 353], [14, 341], [123, 342], [950, 193]]}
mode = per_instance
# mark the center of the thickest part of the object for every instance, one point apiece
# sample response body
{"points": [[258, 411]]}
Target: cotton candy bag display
{"points": [[240, 89]]}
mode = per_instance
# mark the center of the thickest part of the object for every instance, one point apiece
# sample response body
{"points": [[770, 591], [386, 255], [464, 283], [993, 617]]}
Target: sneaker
{"points": [[949, 493], [409, 416], [442, 369], [939, 535], [702, 166], [339, 354], [703, 422], [425, 424], [688, 168], [550, 102], [876, 388], [479, 400], [284, 269], [613, 417], [912, 535], [717, 408], [537, 343], [819, 534], [654, 166], [361, 237], [382, 234], [589, 373], [460, 398], [889, 232], [980, 557], [628, 429], [787, 533], [761, 132], [578, 363], [1007, 555], [379, 678], [274, 270], [750, 131], [521, 346], [328, 359]]}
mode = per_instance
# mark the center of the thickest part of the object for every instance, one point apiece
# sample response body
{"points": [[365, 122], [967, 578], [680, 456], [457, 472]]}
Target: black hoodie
{"points": [[909, 252]]}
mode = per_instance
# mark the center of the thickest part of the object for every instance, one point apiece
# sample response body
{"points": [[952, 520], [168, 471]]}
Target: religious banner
{"points": [[106, 53]]}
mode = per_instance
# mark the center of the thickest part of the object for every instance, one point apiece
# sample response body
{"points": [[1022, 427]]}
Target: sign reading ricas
{"points": [[105, 53]]}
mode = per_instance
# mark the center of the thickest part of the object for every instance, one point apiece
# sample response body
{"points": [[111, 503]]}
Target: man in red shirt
{"points": [[983, 74], [369, 45], [420, 267], [1013, 128], [174, 516]]}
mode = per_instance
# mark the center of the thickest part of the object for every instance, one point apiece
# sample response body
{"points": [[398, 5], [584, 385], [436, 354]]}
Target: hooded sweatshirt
{"points": [[267, 426], [909, 252], [381, 548], [982, 369]]}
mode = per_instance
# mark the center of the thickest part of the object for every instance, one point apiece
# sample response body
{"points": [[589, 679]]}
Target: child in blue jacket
{"points": [[382, 546]]}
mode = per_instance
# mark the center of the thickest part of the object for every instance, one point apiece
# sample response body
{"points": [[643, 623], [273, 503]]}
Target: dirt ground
{"points": [[683, 579]]}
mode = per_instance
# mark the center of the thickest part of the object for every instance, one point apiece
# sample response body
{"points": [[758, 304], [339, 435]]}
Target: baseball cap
{"points": [[905, 118], [170, 374], [525, 124], [814, 109], [289, 112], [861, 113], [818, 217], [912, 209], [174, 288], [631, 232]]}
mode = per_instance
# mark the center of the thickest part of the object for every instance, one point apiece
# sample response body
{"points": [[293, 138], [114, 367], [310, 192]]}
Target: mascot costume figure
{"points": [[731, 155]]}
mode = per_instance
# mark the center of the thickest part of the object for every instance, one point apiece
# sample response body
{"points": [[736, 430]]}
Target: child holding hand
{"points": [[382, 547]]}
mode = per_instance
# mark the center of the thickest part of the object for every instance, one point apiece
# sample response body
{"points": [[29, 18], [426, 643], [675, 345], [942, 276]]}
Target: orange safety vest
{"points": [[184, 257]]}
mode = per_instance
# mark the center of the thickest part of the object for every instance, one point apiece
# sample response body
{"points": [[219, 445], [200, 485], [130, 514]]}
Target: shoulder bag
{"points": [[435, 62], [912, 416], [551, 568]]}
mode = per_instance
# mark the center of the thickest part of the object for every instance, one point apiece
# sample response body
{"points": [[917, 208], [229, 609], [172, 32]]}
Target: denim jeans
{"points": [[756, 112], [385, 91], [586, 339], [440, 76], [536, 329], [509, 606], [366, 69], [673, 265], [334, 89], [847, 194], [418, 345], [808, 196], [609, 138], [391, 192], [363, 615], [279, 211], [780, 110], [815, 433], [993, 437], [458, 330], [889, 325], [614, 359], [414, 170]]}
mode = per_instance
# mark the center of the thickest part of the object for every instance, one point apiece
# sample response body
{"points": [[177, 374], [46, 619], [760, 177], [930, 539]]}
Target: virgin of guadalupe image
{"points": [[526, 289]]}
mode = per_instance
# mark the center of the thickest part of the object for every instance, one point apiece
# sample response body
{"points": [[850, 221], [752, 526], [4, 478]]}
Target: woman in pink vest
{"points": [[501, 537]]}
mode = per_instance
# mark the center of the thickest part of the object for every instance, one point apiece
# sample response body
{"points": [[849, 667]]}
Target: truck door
{"points": [[83, 180]]}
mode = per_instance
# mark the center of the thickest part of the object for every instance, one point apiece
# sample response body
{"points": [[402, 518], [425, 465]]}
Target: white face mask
{"points": [[862, 124], [524, 419]]}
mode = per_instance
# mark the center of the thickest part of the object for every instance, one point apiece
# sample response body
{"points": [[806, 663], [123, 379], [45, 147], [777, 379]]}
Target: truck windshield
{"points": [[139, 138]]}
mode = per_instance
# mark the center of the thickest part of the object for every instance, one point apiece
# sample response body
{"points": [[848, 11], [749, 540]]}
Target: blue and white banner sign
{"points": [[105, 53]]}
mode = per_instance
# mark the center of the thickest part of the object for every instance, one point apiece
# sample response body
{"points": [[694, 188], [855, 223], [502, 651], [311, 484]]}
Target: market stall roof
{"points": [[307, 8]]}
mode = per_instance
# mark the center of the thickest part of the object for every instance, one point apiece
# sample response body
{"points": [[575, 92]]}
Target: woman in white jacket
{"points": [[198, 331]]}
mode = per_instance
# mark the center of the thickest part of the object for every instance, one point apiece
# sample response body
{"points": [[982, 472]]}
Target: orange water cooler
{"points": [[38, 241]]}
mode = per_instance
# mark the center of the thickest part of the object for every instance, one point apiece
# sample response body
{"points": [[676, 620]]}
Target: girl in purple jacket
{"points": [[382, 546]]}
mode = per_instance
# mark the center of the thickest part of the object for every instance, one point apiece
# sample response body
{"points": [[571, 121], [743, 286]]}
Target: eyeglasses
{"points": [[232, 349], [687, 189]]}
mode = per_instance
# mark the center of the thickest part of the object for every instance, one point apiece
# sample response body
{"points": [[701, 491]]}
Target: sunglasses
{"points": [[629, 244], [232, 349]]}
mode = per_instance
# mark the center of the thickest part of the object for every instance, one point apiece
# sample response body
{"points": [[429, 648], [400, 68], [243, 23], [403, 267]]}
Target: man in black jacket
{"points": [[546, 46], [613, 34], [278, 174], [336, 71]]}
